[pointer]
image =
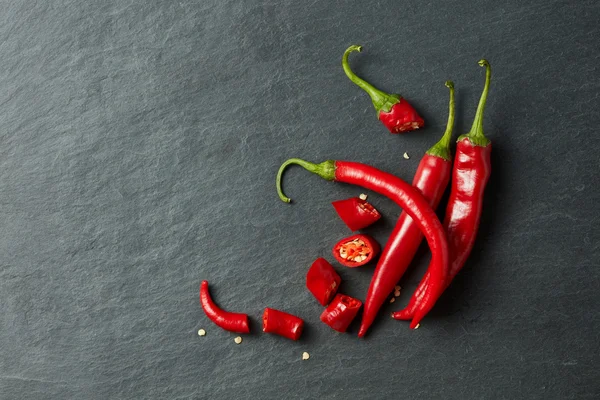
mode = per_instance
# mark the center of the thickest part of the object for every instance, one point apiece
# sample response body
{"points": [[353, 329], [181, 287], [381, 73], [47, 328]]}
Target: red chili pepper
{"points": [[392, 110], [431, 179], [407, 197], [340, 313], [356, 250], [356, 212], [472, 169], [282, 324], [322, 281], [233, 322]]}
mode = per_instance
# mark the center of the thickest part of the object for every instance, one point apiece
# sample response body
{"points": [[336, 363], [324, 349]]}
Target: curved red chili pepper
{"points": [[407, 197], [356, 250], [357, 213], [340, 313], [472, 169], [233, 322], [392, 110], [322, 280], [431, 178], [282, 324]]}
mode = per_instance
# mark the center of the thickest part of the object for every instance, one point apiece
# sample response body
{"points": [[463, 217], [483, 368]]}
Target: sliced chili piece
{"points": [[356, 250], [403, 194], [322, 280], [233, 322], [282, 324], [392, 110], [356, 212], [471, 172], [340, 313]]}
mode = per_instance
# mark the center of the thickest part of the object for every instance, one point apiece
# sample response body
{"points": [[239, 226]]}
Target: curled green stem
{"points": [[325, 170], [476, 135], [442, 148], [381, 101]]}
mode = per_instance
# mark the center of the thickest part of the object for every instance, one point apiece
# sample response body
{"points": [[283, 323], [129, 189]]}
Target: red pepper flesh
{"points": [[392, 110], [340, 313], [322, 280], [356, 250], [471, 172], [431, 179], [282, 324], [407, 197], [356, 213], [233, 322]]}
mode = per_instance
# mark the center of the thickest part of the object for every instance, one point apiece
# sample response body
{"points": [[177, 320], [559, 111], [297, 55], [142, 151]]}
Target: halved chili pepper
{"points": [[431, 179], [340, 313], [407, 197], [282, 324], [322, 280], [471, 172], [233, 322], [356, 212], [392, 110], [356, 250]]}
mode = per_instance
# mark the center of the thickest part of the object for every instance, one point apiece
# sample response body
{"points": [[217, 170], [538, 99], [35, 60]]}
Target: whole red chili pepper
{"points": [[471, 172], [431, 179], [407, 197], [233, 322], [356, 250], [392, 110], [322, 280], [282, 324], [340, 313], [356, 212]]}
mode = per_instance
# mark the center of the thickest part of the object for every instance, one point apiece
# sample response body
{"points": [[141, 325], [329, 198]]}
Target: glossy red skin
{"points": [[282, 324], [418, 208], [322, 280], [340, 313], [354, 213], [431, 179], [233, 322], [472, 169], [369, 242], [401, 118]]}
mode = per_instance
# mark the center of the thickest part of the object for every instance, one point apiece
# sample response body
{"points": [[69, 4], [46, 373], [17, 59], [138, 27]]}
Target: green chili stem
{"points": [[325, 170], [381, 100], [476, 135], [442, 148]]}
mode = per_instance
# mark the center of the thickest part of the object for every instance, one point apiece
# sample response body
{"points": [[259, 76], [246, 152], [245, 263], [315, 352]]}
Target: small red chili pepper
{"points": [[322, 280], [356, 212], [233, 322], [431, 179], [472, 169], [392, 110], [340, 313], [407, 197], [356, 250], [282, 324]]}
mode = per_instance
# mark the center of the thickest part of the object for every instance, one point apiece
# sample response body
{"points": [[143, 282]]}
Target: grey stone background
{"points": [[139, 142]]}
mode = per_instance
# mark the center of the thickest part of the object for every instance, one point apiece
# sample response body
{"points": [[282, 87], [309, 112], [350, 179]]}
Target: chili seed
{"points": [[201, 332], [362, 197], [406, 156], [397, 288], [305, 356], [238, 340], [393, 299], [397, 293]]}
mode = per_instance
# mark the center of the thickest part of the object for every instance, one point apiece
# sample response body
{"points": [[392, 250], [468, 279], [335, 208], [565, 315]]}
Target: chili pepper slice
{"points": [[356, 212], [407, 197], [356, 250], [282, 324], [392, 110], [322, 280], [471, 172], [233, 322], [431, 179], [340, 313]]}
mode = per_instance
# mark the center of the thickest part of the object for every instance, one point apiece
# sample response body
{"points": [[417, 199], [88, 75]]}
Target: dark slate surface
{"points": [[139, 142]]}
